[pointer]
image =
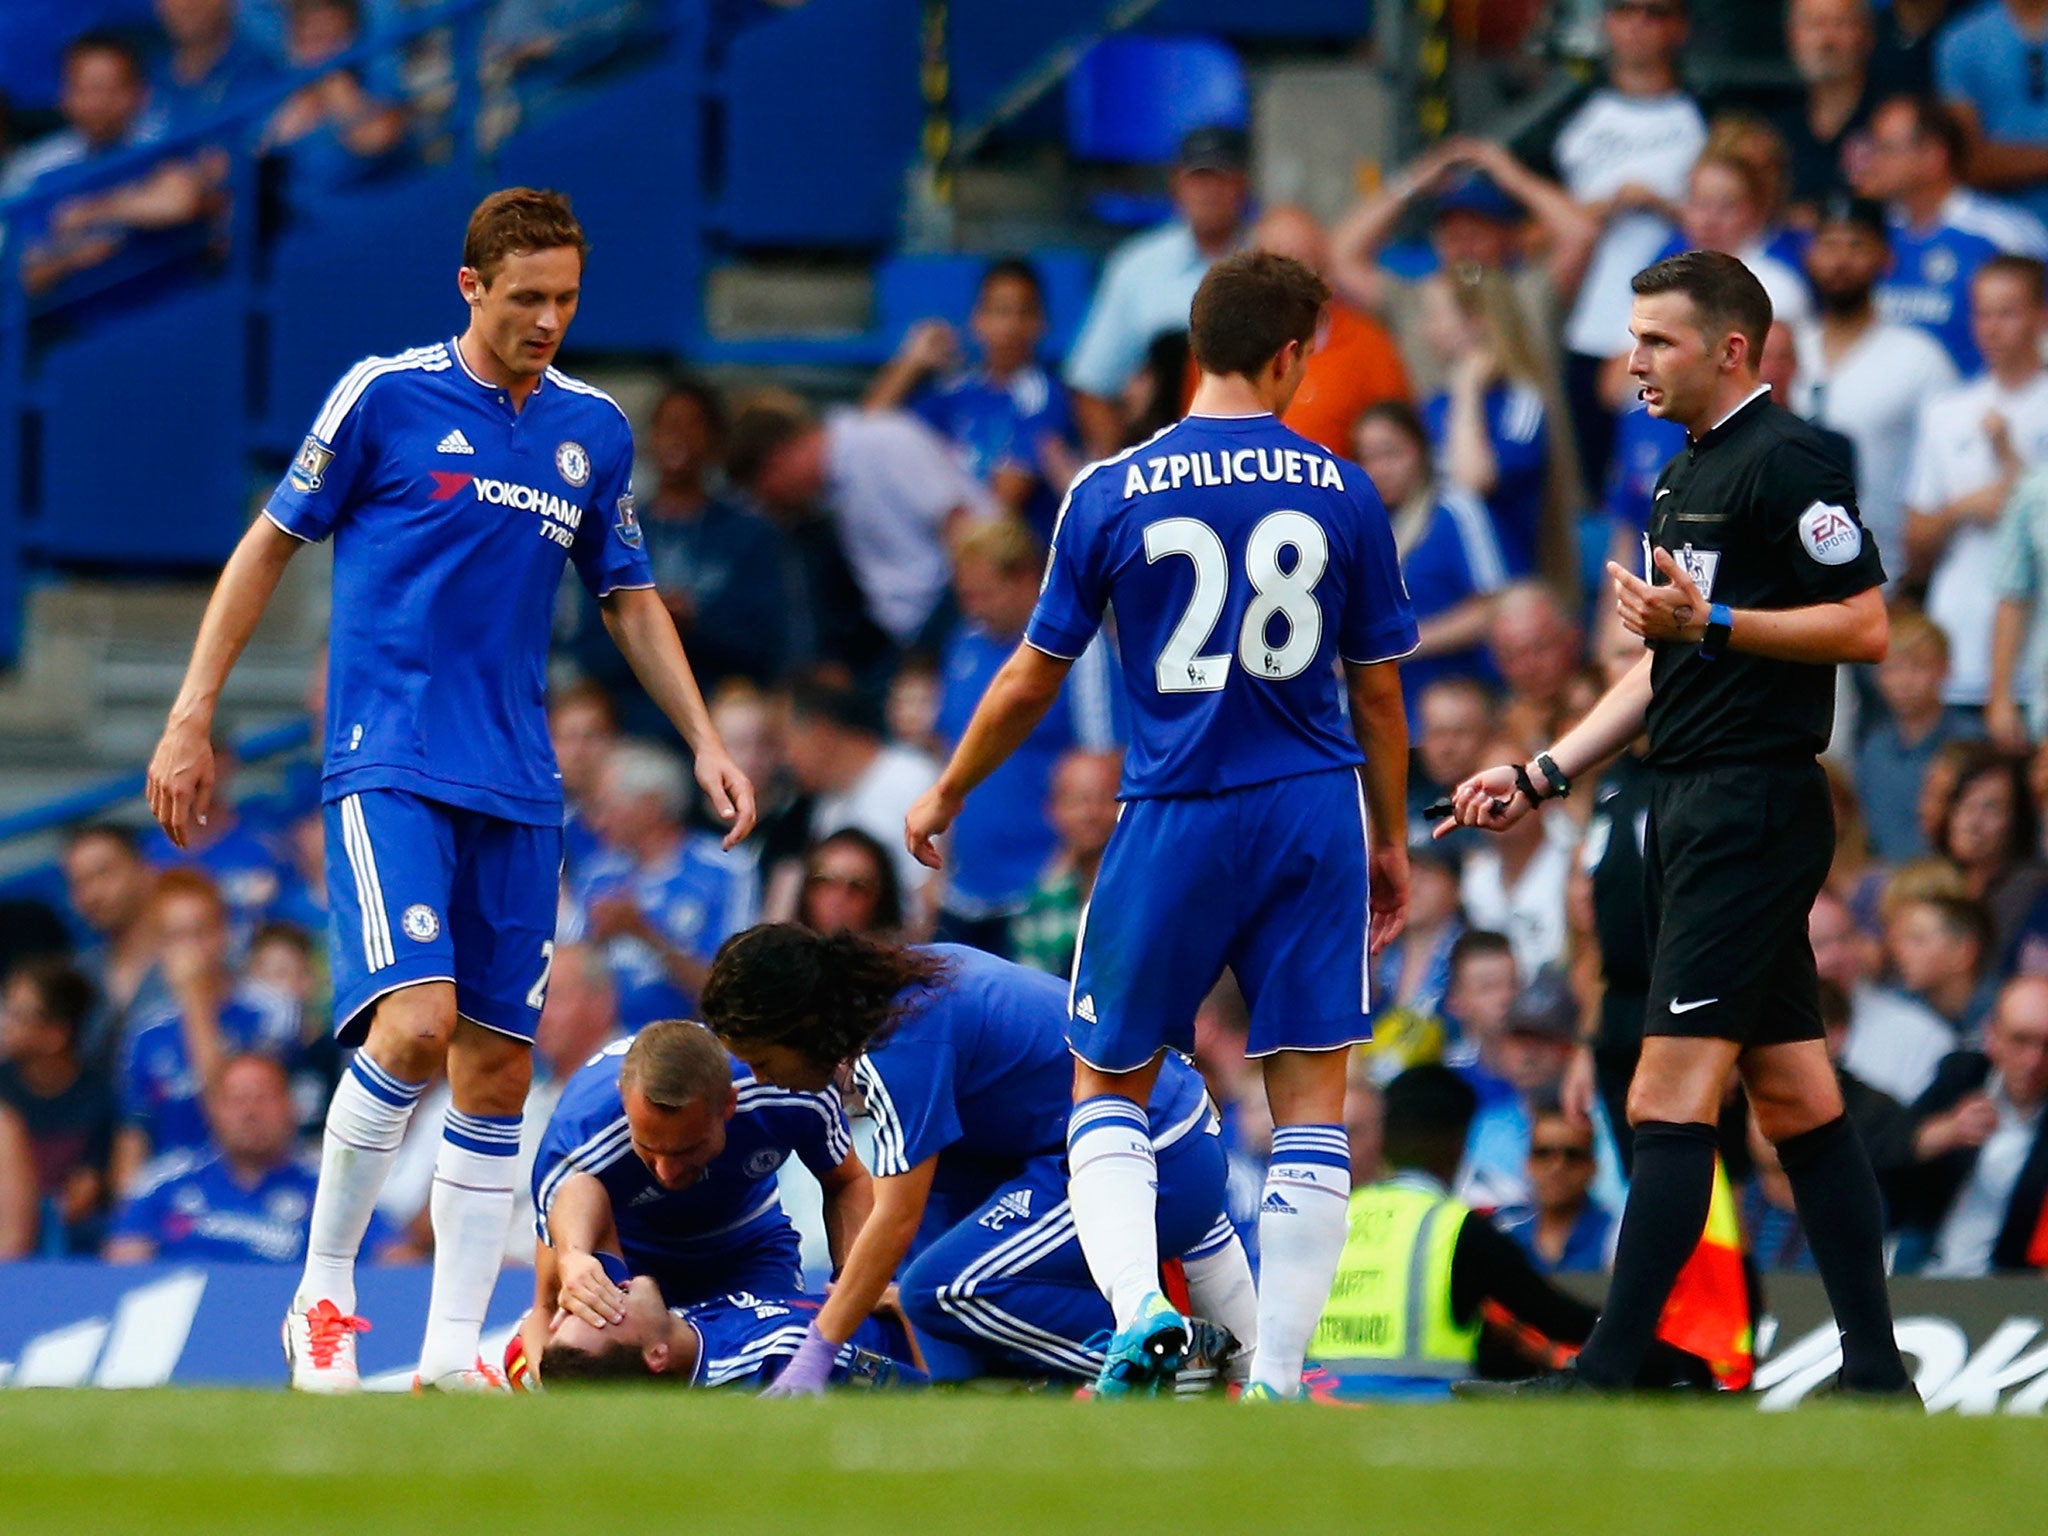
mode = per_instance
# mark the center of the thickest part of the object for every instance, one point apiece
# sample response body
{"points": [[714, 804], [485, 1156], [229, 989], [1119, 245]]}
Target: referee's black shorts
{"points": [[1734, 857]]}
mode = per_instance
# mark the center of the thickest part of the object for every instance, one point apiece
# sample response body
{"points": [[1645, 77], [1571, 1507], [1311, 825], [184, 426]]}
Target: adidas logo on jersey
{"points": [[1277, 1203], [1014, 1206], [455, 442], [1085, 1009]]}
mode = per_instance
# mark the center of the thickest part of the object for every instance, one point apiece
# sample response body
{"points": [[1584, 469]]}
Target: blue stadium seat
{"points": [[913, 288], [1131, 98]]}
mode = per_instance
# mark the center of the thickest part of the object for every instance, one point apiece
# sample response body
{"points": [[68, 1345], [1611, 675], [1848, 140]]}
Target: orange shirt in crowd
{"points": [[1355, 366]]}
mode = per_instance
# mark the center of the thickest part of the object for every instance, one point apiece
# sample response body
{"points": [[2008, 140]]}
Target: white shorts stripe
{"points": [[355, 835], [1365, 939]]}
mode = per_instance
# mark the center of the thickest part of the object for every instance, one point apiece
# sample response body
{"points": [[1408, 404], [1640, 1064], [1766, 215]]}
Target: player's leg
{"points": [[1797, 1101], [1301, 960], [1151, 946], [501, 913], [395, 1000], [1221, 1291]]}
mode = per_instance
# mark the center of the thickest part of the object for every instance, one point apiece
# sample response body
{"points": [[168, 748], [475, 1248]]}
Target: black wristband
{"points": [[1560, 786]]}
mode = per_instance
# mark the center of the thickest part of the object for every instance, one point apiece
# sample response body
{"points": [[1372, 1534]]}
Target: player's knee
{"points": [[410, 1031], [488, 1073]]}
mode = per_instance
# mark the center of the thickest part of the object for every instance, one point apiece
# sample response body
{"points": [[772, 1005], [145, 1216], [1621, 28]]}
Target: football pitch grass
{"points": [[628, 1462]]}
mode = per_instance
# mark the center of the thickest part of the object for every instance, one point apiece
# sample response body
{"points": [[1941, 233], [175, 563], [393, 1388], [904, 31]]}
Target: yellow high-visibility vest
{"points": [[1390, 1310]]}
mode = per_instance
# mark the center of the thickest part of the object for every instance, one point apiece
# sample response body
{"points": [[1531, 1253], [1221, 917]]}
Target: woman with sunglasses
{"points": [[850, 887], [962, 1060]]}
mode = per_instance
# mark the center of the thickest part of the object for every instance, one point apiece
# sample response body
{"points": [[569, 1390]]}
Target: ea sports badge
{"points": [[420, 923], [1830, 534], [573, 463]]}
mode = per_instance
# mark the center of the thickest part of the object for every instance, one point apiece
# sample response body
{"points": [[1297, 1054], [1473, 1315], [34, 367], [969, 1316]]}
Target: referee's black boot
{"points": [[1839, 1391], [1564, 1383]]}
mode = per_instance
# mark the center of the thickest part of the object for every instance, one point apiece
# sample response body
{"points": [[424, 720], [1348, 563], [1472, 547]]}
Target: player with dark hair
{"points": [[962, 1061], [1244, 563], [1758, 580], [456, 479]]}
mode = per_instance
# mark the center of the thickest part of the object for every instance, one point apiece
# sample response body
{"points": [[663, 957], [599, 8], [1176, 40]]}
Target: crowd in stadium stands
{"points": [[848, 578]]}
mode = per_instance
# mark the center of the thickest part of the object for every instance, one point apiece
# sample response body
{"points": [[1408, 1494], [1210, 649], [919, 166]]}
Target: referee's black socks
{"points": [[1839, 1205], [1668, 1196]]}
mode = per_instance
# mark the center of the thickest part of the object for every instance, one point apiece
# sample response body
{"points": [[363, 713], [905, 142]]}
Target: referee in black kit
{"points": [[1760, 579]]}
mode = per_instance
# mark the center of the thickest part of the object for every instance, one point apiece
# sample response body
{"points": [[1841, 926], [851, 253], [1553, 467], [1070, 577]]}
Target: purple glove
{"points": [[809, 1369]]}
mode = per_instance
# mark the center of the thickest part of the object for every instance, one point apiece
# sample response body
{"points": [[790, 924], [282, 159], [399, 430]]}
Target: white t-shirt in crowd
{"points": [[1608, 143], [1531, 912], [1895, 1042], [891, 482], [877, 803], [1951, 458], [1872, 395]]}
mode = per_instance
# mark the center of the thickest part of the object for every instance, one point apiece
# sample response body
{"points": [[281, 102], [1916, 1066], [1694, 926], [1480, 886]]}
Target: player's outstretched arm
{"points": [[181, 772], [1016, 701], [646, 636], [579, 1222], [1379, 719]]}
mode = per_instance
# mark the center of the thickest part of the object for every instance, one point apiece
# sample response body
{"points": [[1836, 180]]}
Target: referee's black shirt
{"points": [[1762, 516]]}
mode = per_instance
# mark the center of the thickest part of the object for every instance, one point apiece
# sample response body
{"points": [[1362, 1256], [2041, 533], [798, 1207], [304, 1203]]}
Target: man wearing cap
{"points": [[1861, 374], [1478, 196], [1150, 279]]}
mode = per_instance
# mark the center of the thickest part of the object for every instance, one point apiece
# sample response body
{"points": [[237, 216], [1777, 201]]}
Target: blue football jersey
{"points": [[195, 1210], [1243, 560], [977, 1071], [734, 1205], [1929, 285], [697, 898], [1643, 445], [1521, 452], [1002, 840], [999, 424], [1457, 558], [159, 1087], [452, 517]]}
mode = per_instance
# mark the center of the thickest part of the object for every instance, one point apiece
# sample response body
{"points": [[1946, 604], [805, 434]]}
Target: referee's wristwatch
{"points": [[1720, 623]]}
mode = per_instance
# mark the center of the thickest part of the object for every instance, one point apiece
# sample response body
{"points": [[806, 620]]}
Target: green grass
{"points": [[669, 1463]]}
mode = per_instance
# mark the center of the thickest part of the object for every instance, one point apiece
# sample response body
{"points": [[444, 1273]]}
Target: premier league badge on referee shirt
{"points": [[574, 464]]}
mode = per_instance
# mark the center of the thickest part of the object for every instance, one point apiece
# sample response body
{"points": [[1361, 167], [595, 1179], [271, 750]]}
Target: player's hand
{"points": [[1488, 799], [181, 777], [929, 818], [1676, 612], [1387, 887], [730, 792], [1575, 1093], [587, 1291]]}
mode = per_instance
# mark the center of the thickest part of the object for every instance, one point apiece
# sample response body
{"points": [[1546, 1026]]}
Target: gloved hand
{"points": [[809, 1369]]}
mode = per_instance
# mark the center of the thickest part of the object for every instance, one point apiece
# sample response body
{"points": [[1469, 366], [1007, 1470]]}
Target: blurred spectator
{"points": [[850, 886], [1491, 426], [65, 1107], [1560, 1227], [1892, 761], [1885, 1040], [109, 885], [1830, 43], [1623, 150], [858, 780], [713, 564], [1514, 883], [547, 40], [1158, 392], [1478, 197], [659, 899], [1082, 807], [168, 1060], [1989, 67], [753, 728], [1643, 445], [1942, 232], [303, 901], [333, 132], [911, 710], [228, 849], [1412, 975], [1988, 831], [1354, 363], [583, 725], [1880, 1119], [1534, 1047], [210, 63], [1536, 646], [1455, 725], [1730, 205], [1973, 1200], [1011, 421], [896, 494], [2017, 708], [1150, 280], [1770, 1219], [104, 103], [244, 1197], [1861, 375], [1971, 445], [1451, 561], [997, 849], [1477, 996], [1940, 950], [580, 1018], [1907, 32]]}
